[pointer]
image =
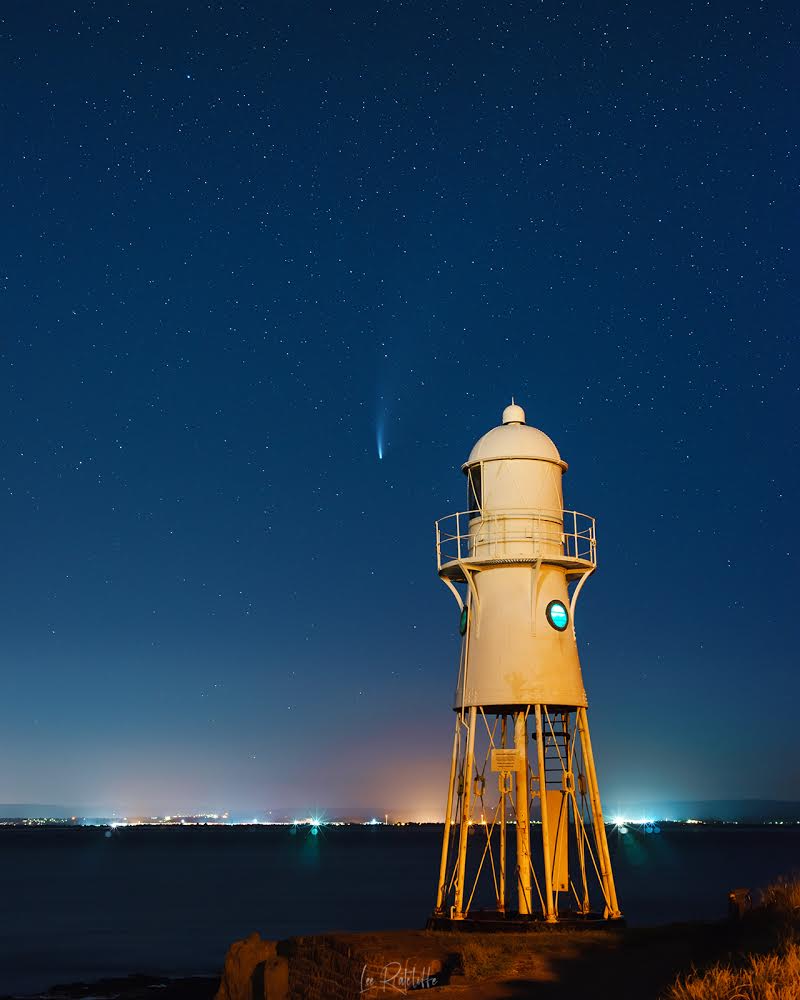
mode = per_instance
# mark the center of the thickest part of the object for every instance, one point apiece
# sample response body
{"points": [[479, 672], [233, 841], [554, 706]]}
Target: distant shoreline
{"points": [[103, 823]]}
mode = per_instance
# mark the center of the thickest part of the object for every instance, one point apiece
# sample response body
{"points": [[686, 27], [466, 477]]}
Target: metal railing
{"points": [[515, 534]]}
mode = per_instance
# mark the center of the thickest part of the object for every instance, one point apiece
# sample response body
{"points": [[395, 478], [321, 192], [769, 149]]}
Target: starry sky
{"points": [[249, 248]]}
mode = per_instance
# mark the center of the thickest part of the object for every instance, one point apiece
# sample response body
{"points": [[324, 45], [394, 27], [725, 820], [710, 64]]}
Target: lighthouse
{"points": [[524, 837]]}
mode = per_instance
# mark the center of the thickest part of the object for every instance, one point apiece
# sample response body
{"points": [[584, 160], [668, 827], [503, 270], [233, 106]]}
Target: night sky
{"points": [[248, 247]]}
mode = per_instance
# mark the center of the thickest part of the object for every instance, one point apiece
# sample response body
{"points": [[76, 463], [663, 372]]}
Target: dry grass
{"points": [[502, 956], [494, 959], [783, 897], [773, 974]]}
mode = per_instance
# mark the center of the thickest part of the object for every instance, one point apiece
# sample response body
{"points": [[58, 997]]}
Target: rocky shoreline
{"points": [[134, 987]]}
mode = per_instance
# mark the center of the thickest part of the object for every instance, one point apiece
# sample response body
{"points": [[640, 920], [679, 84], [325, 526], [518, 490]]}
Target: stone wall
{"points": [[321, 968], [331, 967]]}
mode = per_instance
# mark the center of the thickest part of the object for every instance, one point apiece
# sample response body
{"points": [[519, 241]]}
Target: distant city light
{"points": [[645, 824]]}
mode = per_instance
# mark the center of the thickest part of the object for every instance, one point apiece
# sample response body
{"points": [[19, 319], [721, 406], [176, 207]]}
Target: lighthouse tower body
{"points": [[516, 561]]}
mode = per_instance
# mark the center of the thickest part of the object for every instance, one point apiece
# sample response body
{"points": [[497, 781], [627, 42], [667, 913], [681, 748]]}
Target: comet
{"points": [[380, 431]]}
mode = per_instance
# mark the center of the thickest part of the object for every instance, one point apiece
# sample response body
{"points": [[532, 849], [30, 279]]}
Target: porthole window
{"points": [[557, 615]]}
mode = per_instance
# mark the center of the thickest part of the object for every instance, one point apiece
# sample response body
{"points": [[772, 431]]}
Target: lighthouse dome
{"points": [[514, 439]]}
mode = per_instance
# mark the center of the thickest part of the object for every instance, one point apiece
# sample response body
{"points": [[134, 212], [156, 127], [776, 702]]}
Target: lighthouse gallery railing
{"points": [[474, 534]]}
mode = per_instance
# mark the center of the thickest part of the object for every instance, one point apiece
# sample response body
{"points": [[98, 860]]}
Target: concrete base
{"points": [[492, 921]]}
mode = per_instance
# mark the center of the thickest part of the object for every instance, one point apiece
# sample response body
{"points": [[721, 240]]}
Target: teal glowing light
{"points": [[557, 615], [314, 831], [462, 621]]}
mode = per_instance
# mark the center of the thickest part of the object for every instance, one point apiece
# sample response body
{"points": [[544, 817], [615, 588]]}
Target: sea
{"points": [[84, 903]]}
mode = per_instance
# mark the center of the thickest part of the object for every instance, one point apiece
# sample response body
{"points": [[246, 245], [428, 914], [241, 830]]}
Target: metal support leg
{"points": [[466, 809], [550, 914], [584, 906], [448, 820], [523, 818], [501, 777], [601, 841]]}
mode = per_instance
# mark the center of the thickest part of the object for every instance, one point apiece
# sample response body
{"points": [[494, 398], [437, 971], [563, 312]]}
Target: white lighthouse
{"points": [[523, 808]]}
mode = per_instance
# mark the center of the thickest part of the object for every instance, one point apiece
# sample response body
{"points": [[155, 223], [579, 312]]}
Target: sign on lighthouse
{"points": [[524, 836]]}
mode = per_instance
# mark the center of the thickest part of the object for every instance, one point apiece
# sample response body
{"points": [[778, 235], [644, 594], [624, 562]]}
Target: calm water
{"points": [[77, 904]]}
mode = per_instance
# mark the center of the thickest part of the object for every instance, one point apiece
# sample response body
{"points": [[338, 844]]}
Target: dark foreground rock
{"points": [[253, 969]]}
